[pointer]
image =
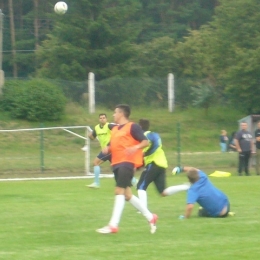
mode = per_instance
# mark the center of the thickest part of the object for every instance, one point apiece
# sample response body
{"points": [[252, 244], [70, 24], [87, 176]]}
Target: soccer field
{"points": [[56, 220]]}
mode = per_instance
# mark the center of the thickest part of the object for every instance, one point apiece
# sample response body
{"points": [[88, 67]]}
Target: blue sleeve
{"points": [[202, 174], [192, 197], [155, 140]]}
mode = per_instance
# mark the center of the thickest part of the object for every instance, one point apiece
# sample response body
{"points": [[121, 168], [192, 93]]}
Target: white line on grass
{"points": [[58, 178]]}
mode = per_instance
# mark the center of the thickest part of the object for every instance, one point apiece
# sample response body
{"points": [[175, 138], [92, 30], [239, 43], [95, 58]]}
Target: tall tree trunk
{"points": [[13, 43], [36, 23]]}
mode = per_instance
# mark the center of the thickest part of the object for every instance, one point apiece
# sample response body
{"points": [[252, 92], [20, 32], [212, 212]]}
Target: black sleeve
{"points": [[137, 133], [94, 134], [111, 125], [238, 135]]}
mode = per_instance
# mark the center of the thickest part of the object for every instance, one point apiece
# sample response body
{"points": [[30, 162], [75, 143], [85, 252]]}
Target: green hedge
{"points": [[33, 100]]}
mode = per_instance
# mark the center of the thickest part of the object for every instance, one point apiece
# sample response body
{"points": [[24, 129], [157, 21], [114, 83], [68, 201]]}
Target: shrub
{"points": [[34, 100]]}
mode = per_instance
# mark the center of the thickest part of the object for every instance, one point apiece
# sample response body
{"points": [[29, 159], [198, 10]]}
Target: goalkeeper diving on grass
{"points": [[214, 203]]}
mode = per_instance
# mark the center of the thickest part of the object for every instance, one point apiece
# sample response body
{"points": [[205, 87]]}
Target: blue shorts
{"points": [[104, 157]]}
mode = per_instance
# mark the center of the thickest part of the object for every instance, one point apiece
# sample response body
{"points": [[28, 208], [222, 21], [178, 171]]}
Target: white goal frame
{"points": [[65, 128]]}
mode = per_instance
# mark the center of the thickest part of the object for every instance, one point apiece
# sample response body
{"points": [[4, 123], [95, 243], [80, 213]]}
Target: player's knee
{"points": [[127, 197], [141, 188], [97, 162], [163, 194]]}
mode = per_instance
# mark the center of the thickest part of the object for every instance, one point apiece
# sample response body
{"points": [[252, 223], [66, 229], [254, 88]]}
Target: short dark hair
{"points": [[102, 114], [144, 123], [125, 109]]}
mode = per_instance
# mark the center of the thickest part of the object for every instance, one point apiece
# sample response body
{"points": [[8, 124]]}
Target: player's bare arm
{"points": [[188, 211], [91, 137], [106, 150]]}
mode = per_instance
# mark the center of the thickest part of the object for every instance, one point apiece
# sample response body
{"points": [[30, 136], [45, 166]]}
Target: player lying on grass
{"points": [[213, 202]]}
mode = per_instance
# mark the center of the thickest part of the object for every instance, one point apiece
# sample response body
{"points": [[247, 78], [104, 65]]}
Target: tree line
{"points": [[211, 46]]}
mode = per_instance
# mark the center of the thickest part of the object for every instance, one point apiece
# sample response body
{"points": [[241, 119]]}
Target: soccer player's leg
{"points": [[135, 201], [119, 203], [227, 212], [97, 162], [146, 178], [241, 163], [247, 158]]}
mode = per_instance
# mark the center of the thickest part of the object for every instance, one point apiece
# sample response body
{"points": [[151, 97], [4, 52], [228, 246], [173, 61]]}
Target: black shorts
{"points": [[153, 173], [123, 176], [104, 157]]}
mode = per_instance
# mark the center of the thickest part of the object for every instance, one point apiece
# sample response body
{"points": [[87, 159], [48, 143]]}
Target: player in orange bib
{"points": [[126, 144]]}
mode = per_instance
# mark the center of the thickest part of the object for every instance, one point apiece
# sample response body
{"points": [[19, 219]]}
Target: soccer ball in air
{"points": [[60, 7]]}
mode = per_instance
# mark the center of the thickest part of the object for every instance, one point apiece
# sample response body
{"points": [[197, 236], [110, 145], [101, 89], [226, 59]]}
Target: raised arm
{"points": [[179, 169]]}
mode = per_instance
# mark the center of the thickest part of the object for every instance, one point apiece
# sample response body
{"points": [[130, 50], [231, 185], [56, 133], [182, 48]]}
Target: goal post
{"points": [[60, 155]]}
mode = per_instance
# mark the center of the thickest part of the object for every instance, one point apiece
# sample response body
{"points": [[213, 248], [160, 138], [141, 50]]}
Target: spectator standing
{"points": [[223, 141], [244, 144], [257, 143]]}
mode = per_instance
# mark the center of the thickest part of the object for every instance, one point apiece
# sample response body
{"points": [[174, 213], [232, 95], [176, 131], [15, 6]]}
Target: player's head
{"points": [[121, 111], [144, 123], [193, 175], [102, 118]]}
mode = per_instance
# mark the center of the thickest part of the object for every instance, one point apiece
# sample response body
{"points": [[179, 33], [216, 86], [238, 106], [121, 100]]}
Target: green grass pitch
{"points": [[56, 220]]}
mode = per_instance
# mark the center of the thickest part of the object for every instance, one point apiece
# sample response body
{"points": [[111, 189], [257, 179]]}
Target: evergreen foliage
{"points": [[34, 100], [204, 96], [197, 40]]}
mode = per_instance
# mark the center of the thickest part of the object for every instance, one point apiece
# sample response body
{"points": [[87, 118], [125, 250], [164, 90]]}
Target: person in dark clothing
{"points": [[257, 143], [244, 144]]}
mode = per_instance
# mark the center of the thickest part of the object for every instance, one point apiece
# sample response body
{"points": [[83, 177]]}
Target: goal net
{"points": [[47, 152]]}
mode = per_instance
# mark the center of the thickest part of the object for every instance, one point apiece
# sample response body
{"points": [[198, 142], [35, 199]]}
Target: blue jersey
{"points": [[207, 195]]}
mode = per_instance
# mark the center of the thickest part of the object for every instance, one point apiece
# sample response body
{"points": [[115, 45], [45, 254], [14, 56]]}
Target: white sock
{"points": [[174, 189], [143, 197], [139, 206], [117, 210]]}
